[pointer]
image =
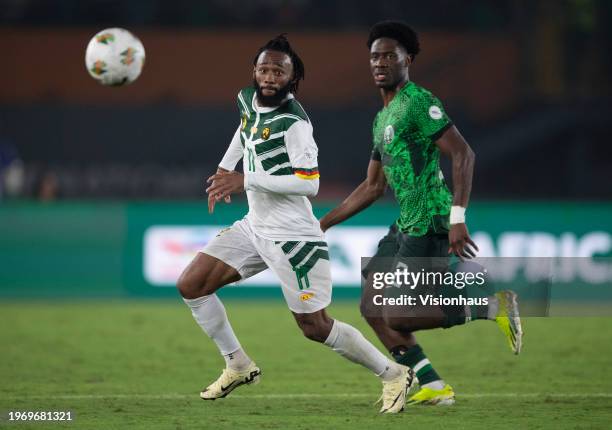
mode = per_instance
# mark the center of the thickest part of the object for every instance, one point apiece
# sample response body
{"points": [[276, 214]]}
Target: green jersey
{"points": [[404, 135]]}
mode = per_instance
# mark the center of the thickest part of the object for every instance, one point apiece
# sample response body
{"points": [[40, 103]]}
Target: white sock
{"points": [[209, 313], [350, 343], [392, 371], [237, 360]]}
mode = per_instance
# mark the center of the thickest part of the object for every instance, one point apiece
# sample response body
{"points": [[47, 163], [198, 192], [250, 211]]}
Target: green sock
{"points": [[414, 358]]}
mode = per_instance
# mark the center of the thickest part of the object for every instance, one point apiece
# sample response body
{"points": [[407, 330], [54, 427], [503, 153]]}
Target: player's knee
{"points": [[209, 285], [192, 287], [184, 286], [313, 331], [374, 322]]}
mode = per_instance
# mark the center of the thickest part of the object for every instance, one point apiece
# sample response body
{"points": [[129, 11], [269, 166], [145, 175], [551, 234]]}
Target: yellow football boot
{"points": [[508, 319], [429, 396]]}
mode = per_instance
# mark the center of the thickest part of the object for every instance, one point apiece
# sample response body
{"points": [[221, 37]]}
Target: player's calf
{"points": [[411, 324], [403, 346], [315, 326]]}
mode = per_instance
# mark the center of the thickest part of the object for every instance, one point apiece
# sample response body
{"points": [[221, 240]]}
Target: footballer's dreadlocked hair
{"points": [[281, 44], [396, 30]]}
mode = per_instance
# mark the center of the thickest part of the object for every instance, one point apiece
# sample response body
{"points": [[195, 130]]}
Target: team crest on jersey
{"points": [[306, 296], [243, 122], [435, 112], [389, 134], [265, 133]]}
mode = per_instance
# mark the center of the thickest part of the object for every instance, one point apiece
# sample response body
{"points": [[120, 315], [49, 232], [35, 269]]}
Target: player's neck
{"points": [[388, 94]]}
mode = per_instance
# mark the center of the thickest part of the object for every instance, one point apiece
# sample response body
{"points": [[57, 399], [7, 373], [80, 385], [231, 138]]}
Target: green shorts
{"points": [[397, 244]]}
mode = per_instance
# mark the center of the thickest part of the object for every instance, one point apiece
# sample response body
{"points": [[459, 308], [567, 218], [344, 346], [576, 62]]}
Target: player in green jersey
{"points": [[409, 134]]}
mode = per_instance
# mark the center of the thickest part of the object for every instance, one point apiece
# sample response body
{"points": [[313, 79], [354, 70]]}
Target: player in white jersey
{"points": [[280, 232]]}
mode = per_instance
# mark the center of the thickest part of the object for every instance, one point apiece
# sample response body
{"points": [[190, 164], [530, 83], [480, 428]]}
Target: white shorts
{"points": [[302, 267]]}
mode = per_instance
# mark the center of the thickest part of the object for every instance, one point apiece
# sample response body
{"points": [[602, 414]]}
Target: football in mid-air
{"points": [[115, 57]]}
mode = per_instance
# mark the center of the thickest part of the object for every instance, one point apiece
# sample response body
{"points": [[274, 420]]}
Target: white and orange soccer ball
{"points": [[115, 57]]}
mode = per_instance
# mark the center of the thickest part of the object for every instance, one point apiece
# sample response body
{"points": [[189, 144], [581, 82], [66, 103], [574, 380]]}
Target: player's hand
{"points": [[213, 199], [225, 183], [460, 242]]}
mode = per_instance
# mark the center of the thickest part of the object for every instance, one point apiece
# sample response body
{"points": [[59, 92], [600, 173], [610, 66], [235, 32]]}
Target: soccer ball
{"points": [[114, 57]]}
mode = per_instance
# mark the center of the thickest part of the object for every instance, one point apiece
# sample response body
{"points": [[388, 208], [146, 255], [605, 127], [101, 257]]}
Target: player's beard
{"points": [[274, 100]]}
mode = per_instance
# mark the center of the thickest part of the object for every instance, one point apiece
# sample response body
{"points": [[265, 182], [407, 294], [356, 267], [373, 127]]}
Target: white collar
{"points": [[266, 109]]}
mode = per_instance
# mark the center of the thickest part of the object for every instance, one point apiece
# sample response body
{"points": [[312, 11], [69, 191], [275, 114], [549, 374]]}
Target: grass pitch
{"points": [[140, 364]]}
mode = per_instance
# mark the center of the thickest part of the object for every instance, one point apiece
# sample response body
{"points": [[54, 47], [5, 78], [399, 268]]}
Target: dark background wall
{"points": [[527, 83]]}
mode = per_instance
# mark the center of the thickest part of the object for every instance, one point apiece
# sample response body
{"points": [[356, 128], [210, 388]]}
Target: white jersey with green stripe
{"points": [[276, 141]]}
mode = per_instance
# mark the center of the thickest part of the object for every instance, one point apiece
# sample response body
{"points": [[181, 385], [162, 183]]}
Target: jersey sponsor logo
{"points": [[265, 133], [253, 130], [306, 296], [389, 134], [435, 112]]}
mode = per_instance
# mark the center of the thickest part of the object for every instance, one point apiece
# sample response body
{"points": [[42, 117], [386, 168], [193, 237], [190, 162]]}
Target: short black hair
{"points": [[396, 30], [281, 44]]}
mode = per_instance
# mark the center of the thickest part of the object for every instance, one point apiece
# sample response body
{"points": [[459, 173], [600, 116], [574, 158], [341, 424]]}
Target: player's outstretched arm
{"points": [[291, 185], [371, 189], [226, 183], [453, 145]]}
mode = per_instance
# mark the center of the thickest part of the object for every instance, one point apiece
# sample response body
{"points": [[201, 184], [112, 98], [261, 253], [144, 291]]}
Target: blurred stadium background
{"points": [[87, 172], [101, 189]]}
